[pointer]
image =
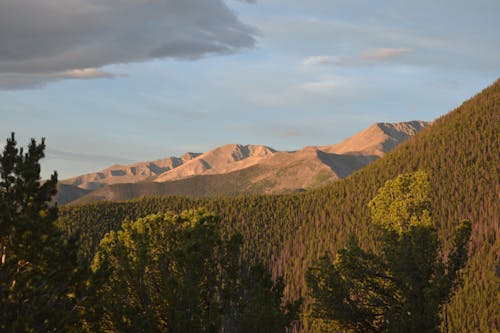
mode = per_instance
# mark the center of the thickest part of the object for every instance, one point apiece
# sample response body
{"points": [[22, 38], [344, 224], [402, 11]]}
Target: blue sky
{"points": [[127, 81]]}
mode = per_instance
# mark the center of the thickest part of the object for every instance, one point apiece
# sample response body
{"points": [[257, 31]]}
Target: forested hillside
{"points": [[460, 152]]}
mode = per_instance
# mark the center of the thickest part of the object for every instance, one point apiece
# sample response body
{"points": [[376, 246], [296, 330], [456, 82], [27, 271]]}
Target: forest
{"points": [[263, 259]]}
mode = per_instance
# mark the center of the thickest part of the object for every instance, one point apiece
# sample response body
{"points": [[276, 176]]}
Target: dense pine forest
{"points": [[461, 154]]}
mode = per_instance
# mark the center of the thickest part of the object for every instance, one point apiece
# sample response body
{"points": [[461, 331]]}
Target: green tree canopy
{"points": [[403, 203], [402, 288], [174, 273], [37, 267]]}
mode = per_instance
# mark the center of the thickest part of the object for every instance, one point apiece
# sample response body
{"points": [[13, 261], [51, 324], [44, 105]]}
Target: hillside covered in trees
{"points": [[460, 153]]}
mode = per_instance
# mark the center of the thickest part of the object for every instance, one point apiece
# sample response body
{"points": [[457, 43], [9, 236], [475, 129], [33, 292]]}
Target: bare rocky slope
{"points": [[239, 169]]}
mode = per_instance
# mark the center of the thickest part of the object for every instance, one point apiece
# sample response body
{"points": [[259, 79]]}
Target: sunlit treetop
{"points": [[403, 202]]}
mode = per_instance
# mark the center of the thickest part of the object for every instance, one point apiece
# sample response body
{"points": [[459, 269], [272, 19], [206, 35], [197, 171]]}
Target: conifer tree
{"points": [[261, 309], [174, 273], [37, 267], [401, 288]]}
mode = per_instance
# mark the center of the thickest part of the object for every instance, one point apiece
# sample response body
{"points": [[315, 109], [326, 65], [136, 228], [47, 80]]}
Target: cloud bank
{"points": [[43, 40], [14, 81]]}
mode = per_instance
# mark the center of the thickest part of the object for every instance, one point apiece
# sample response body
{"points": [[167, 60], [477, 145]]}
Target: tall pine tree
{"points": [[37, 268]]}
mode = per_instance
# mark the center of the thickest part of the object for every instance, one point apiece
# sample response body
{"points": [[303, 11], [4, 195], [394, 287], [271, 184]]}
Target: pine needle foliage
{"points": [[38, 271]]}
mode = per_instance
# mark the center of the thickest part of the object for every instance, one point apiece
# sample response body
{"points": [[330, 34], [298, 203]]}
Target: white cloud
{"points": [[320, 60], [87, 73]]}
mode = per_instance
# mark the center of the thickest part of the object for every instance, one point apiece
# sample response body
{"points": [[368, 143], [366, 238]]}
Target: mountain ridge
{"points": [[279, 171]]}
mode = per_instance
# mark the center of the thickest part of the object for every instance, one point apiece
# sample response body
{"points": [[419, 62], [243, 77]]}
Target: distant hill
{"points": [[69, 193], [461, 154], [237, 169], [132, 173]]}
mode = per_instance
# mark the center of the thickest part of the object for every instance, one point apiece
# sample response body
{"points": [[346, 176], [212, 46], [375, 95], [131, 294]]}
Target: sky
{"points": [[122, 81]]}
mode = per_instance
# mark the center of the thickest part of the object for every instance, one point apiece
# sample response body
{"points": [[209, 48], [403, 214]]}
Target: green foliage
{"points": [[352, 293], [403, 203], [37, 274], [260, 307], [403, 288], [174, 273]]}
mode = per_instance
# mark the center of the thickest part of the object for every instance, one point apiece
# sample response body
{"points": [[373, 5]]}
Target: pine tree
{"points": [[38, 267], [174, 273], [402, 287], [261, 308]]}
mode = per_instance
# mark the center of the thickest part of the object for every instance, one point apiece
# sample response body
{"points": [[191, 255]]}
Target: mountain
{"points": [[461, 154], [237, 169], [132, 173], [220, 160], [68, 193], [378, 139]]}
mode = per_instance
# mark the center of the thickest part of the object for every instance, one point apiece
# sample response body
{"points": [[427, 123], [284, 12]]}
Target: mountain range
{"points": [[235, 169]]}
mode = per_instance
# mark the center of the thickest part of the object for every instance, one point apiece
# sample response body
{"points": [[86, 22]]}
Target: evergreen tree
{"points": [[401, 288], [261, 309], [174, 273], [37, 268]]}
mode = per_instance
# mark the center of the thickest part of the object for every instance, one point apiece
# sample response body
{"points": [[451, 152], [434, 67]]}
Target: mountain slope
{"points": [[236, 169], [378, 139], [133, 173], [223, 159], [461, 154]]}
